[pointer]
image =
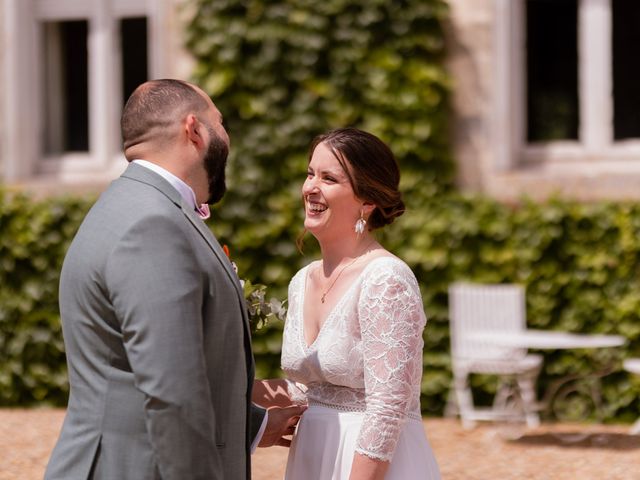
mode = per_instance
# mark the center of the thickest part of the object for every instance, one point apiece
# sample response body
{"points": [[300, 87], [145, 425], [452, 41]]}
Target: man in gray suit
{"points": [[154, 320]]}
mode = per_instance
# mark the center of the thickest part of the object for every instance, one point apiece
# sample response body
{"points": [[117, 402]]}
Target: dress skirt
{"points": [[325, 442]]}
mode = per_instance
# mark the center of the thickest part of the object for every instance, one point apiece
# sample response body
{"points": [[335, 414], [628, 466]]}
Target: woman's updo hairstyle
{"points": [[371, 169]]}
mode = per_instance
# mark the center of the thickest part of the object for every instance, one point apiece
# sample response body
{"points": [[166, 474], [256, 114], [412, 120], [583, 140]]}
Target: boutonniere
{"points": [[233, 264], [260, 309]]}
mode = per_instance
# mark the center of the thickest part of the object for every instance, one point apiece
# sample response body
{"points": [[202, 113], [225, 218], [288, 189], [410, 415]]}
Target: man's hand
{"points": [[281, 423]]}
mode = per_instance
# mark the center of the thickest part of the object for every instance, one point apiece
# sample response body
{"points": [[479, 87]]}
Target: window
{"points": [[133, 41], [81, 93], [552, 70], [66, 123], [75, 63], [66, 79], [626, 70], [569, 74]]}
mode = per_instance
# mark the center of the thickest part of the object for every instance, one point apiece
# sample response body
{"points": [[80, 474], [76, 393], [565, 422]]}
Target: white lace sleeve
{"points": [[391, 319]]}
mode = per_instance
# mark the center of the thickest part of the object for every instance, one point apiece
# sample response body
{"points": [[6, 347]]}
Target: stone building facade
{"points": [[544, 98]]}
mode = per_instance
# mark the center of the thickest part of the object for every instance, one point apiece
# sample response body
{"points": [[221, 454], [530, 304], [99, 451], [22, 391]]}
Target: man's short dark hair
{"points": [[155, 106]]}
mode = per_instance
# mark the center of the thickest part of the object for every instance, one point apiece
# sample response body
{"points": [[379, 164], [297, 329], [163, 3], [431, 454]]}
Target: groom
{"points": [[154, 320]]}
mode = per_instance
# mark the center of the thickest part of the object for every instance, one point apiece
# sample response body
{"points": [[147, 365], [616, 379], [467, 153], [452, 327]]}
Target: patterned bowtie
{"points": [[203, 211]]}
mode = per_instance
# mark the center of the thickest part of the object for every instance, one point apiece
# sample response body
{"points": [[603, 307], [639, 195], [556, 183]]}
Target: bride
{"points": [[352, 343]]}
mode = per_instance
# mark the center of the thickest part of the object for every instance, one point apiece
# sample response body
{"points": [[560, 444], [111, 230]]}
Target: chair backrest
{"points": [[482, 308]]}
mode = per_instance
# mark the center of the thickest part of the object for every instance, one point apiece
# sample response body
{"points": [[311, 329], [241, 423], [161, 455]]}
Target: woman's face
{"points": [[331, 207]]}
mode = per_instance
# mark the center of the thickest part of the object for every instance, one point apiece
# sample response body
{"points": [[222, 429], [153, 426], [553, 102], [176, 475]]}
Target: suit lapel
{"points": [[215, 246], [142, 174], [222, 257]]}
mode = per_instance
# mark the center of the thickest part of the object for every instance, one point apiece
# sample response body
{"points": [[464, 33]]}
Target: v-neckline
{"points": [[333, 309]]}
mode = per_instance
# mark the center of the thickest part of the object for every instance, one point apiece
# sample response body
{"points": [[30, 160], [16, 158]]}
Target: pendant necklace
{"points": [[324, 294]]}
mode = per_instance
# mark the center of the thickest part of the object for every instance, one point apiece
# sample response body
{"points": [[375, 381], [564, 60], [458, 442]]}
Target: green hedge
{"points": [[580, 264], [34, 237]]}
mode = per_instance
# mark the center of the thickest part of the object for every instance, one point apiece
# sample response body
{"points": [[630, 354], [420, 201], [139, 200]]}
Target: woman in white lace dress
{"points": [[352, 346]]}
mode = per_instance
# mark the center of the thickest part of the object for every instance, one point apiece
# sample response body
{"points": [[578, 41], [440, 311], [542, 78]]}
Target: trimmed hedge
{"points": [[580, 264], [34, 237]]}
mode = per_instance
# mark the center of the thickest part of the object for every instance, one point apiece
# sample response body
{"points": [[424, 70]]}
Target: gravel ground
{"points": [[607, 452]]}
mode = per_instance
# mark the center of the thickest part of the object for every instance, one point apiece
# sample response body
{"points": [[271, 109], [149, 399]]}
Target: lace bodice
{"points": [[367, 355]]}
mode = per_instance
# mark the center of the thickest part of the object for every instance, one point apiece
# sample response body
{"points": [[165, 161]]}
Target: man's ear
{"points": [[193, 130]]}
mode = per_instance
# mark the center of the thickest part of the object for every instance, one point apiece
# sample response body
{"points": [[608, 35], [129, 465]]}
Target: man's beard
{"points": [[215, 162]]}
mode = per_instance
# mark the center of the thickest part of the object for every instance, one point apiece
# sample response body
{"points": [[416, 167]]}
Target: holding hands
{"points": [[283, 413]]}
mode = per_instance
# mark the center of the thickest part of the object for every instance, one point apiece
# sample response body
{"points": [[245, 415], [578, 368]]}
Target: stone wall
{"points": [[469, 43]]}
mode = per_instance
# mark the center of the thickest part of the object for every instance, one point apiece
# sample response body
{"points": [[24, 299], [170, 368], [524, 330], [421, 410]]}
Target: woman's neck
{"points": [[339, 251]]}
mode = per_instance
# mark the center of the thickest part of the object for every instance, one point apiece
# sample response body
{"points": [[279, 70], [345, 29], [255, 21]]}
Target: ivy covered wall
{"points": [[283, 71]]}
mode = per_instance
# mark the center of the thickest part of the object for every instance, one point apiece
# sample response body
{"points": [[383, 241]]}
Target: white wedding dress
{"points": [[361, 378]]}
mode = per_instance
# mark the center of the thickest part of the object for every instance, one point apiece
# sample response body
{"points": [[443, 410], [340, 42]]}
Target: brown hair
{"points": [[371, 168], [155, 106]]}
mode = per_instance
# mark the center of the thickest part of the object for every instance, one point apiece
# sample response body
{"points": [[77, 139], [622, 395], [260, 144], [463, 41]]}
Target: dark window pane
{"points": [[133, 39], [552, 70], [626, 69], [66, 87], [76, 67]]}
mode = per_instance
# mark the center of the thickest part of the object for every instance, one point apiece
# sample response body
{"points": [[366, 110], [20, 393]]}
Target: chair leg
{"points": [[503, 392], [526, 384], [451, 409], [464, 400]]}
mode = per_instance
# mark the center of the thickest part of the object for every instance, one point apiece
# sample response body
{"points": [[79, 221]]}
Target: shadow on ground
{"points": [[578, 439]]}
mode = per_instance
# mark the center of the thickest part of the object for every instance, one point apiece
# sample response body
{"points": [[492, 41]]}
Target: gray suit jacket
{"points": [[158, 344]]}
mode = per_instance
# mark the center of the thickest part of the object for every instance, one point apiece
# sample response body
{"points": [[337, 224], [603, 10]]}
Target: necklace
{"points": [[324, 294]]}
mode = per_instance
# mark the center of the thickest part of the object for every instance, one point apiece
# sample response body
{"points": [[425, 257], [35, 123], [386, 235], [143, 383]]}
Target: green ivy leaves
{"points": [[33, 239]]}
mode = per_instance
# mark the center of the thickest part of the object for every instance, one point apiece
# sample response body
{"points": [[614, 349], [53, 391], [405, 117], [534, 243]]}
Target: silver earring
{"points": [[360, 224]]}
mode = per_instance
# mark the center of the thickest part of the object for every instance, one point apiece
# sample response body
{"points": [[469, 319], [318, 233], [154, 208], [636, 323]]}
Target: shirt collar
{"points": [[185, 191]]}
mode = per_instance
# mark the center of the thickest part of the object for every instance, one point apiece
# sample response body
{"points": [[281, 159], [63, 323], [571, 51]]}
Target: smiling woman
{"points": [[353, 334], [331, 204]]}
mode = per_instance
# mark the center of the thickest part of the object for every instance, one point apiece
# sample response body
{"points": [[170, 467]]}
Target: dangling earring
{"points": [[360, 224]]}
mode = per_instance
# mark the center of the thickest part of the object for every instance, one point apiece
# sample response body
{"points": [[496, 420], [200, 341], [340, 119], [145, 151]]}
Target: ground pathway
{"points": [[607, 453]]}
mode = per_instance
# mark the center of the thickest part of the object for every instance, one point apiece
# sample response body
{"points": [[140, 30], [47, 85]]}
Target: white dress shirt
{"points": [[185, 191]]}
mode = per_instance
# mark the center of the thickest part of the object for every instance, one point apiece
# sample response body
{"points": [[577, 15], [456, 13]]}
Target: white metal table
{"points": [[550, 340], [559, 392]]}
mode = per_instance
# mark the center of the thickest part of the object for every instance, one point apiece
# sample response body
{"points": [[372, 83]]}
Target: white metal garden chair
{"points": [[482, 309], [633, 365]]}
